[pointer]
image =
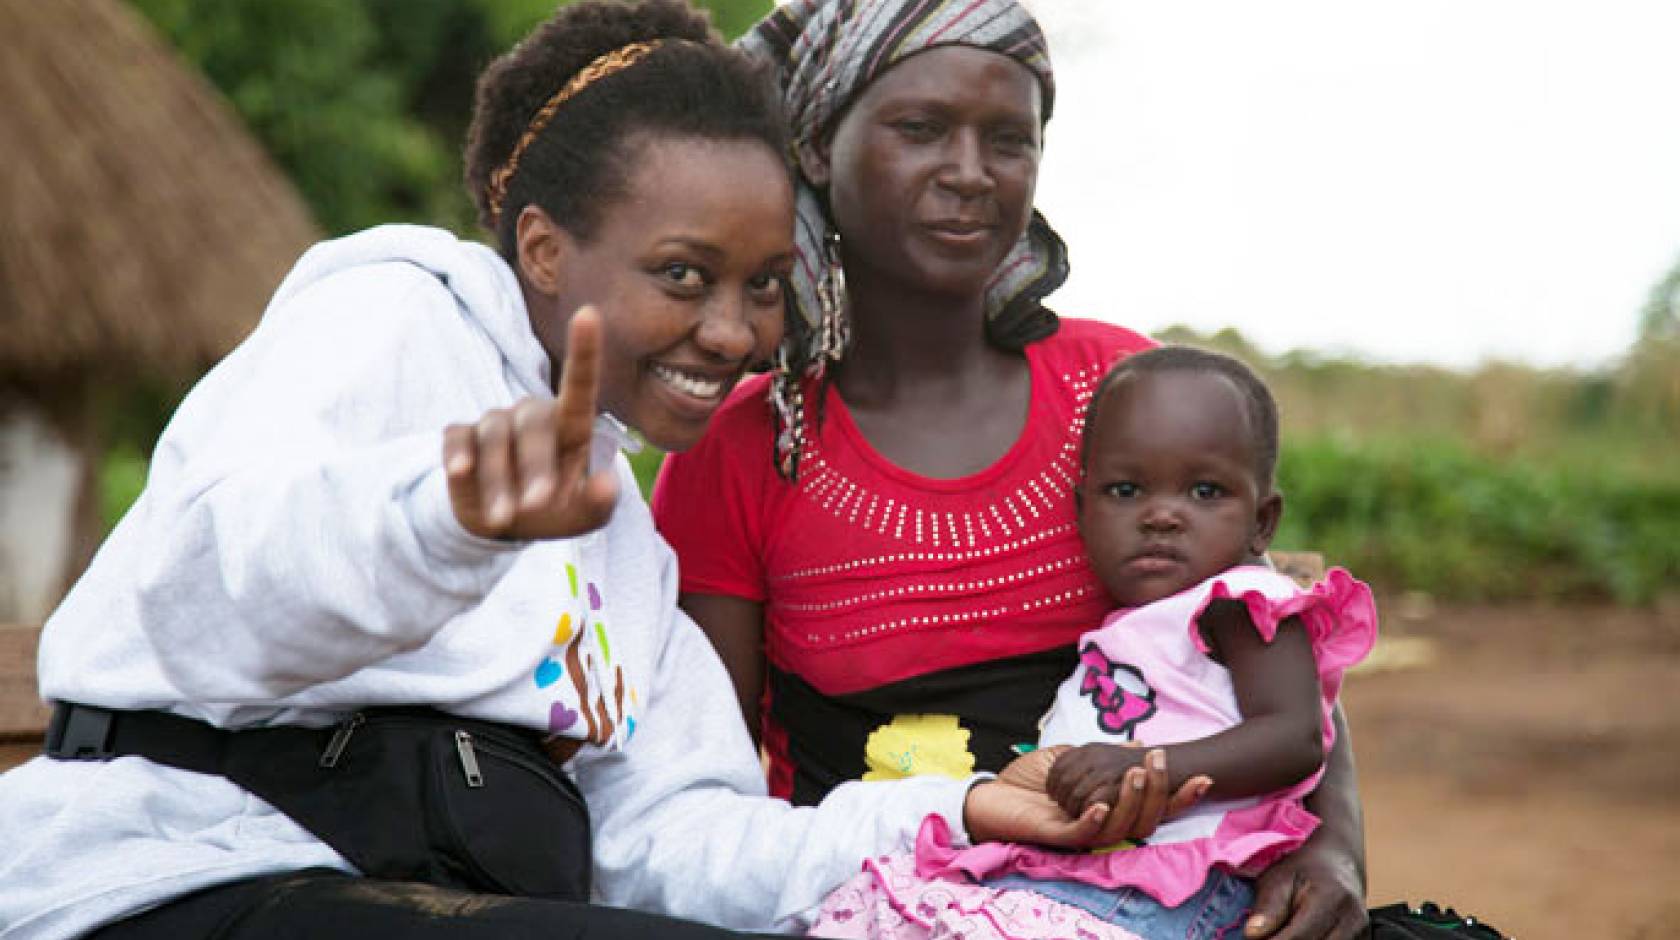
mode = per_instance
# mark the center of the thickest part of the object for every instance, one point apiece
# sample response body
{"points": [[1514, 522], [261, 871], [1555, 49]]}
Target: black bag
{"points": [[406, 794], [1427, 922]]}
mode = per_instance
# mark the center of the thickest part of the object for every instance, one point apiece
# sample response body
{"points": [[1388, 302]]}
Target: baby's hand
{"points": [[523, 472], [1094, 773]]}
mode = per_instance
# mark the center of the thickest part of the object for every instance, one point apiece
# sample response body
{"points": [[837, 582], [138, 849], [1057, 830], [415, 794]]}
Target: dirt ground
{"points": [[1523, 765], [1519, 764]]}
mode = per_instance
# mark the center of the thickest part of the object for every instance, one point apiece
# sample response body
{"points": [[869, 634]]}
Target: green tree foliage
{"points": [[1648, 384], [1661, 316], [364, 103]]}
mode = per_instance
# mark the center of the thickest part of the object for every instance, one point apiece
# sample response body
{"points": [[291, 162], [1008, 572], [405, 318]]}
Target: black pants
{"points": [[327, 904]]}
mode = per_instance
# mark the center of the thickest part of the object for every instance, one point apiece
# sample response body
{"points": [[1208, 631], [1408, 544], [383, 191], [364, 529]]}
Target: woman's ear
{"points": [[813, 156], [1266, 517], [543, 247]]}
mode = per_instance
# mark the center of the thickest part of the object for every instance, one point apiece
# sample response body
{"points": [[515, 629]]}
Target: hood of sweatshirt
{"points": [[484, 286], [481, 281]]}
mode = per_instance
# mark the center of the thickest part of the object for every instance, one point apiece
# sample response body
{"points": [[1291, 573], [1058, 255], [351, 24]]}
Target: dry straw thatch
{"points": [[141, 227]]}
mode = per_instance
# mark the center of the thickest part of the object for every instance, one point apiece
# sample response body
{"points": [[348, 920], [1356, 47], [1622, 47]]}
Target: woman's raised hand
{"points": [[523, 472]]}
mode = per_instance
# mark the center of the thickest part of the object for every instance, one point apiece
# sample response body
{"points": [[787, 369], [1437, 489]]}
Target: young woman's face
{"points": [[1170, 495], [931, 171], [687, 270]]}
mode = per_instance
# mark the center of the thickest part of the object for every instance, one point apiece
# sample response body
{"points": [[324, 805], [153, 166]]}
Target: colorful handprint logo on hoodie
{"points": [[1123, 700], [602, 719]]}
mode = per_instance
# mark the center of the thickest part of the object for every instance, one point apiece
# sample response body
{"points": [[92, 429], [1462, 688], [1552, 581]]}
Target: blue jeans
{"points": [[1216, 910]]}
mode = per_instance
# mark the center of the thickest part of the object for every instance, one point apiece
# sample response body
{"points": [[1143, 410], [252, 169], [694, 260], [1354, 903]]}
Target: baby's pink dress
{"points": [[1143, 676]]}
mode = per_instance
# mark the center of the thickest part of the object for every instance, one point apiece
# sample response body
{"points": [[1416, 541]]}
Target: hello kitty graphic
{"points": [[1123, 699]]}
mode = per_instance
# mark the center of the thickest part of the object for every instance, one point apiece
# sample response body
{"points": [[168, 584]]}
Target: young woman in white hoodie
{"points": [[397, 517]]}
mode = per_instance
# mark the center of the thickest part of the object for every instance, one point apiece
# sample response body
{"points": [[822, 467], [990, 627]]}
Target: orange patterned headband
{"points": [[607, 64]]}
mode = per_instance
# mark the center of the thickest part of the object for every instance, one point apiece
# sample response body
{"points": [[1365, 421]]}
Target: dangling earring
{"points": [[834, 331], [788, 402], [823, 347]]}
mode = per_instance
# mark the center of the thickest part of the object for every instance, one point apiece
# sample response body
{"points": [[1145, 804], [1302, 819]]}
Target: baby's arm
{"points": [[1278, 744]]}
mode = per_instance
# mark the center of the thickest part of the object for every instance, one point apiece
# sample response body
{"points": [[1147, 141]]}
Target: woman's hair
{"points": [[685, 82], [1262, 407]]}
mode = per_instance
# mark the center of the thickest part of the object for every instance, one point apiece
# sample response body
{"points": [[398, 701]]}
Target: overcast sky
{"points": [[1421, 181]]}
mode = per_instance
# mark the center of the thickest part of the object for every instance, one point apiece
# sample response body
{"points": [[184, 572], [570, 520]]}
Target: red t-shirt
{"points": [[894, 602]]}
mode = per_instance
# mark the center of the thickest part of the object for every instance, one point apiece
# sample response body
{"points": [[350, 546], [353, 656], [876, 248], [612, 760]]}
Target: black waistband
{"points": [[997, 703], [89, 732], [405, 793]]}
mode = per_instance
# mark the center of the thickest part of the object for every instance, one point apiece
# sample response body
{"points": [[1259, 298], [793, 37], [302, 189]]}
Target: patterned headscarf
{"points": [[825, 53]]}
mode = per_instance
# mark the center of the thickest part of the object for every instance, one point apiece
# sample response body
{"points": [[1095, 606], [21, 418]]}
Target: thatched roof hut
{"points": [[142, 230], [141, 226]]}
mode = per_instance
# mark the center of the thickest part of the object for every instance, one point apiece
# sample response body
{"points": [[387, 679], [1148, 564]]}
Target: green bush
{"points": [[645, 463], [122, 475], [1430, 515]]}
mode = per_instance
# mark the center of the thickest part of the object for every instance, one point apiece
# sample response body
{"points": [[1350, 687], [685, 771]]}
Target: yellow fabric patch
{"points": [[1123, 845], [917, 745]]}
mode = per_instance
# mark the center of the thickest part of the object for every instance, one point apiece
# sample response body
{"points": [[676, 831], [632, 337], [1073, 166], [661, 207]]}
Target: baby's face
{"points": [[1170, 496]]}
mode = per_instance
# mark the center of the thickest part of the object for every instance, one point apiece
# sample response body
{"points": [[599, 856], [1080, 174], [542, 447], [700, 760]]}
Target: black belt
{"points": [[88, 732], [403, 793]]}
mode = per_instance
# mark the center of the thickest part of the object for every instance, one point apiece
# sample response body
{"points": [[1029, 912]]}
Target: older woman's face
{"points": [[931, 172]]}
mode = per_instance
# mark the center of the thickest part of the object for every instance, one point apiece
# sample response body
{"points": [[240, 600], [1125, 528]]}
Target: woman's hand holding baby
{"points": [[1098, 773], [1021, 807], [523, 472], [996, 811], [1129, 780]]}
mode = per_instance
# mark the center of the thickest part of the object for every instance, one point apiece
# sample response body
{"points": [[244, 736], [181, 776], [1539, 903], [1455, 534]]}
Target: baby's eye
{"points": [[1206, 490], [683, 274], [1122, 490]]}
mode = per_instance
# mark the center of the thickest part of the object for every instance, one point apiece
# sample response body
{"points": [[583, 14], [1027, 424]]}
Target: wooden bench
{"points": [[1304, 567], [23, 719]]}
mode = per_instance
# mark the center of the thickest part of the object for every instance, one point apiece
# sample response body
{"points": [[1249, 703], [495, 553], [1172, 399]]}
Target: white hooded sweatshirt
{"points": [[294, 558]]}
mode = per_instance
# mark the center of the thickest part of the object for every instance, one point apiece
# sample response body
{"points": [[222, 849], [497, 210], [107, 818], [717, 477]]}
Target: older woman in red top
{"points": [[878, 535]]}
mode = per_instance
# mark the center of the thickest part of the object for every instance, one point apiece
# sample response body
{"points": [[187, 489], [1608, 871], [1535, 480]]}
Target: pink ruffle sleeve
{"points": [[1341, 620]]}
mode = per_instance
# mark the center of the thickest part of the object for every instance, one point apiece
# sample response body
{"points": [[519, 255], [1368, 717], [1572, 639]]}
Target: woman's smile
{"points": [[694, 392], [687, 270], [691, 384]]}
